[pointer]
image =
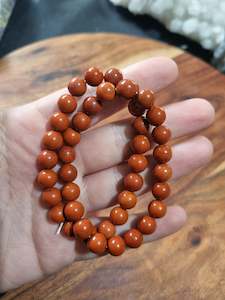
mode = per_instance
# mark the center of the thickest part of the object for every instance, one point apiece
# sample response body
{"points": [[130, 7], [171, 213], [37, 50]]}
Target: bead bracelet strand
{"points": [[59, 144]]}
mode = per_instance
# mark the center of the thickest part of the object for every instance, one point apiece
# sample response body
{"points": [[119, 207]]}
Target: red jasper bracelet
{"points": [[59, 145]]}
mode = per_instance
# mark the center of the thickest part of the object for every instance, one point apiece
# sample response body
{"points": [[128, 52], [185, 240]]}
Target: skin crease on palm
{"points": [[29, 247]]}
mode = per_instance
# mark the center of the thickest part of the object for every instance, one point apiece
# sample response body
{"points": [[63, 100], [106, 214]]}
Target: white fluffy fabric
{"points": [[200, 20]]}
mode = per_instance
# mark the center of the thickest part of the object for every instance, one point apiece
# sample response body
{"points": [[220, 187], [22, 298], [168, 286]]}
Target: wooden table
{"points": [[187, 265]]}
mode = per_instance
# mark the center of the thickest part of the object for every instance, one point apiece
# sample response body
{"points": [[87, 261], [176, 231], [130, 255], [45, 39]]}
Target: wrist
{"points": [[4, 192]]}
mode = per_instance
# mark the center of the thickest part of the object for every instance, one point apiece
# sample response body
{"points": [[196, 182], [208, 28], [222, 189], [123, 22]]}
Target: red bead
{"points": [[70, 191], [92, 106], [97, 243], [161, 135], [47, 178], [93, 76], [74, 211], [135, 108], [59, 121], [77, 86], [67, 103], [140, 144], [141, 125], [157, 209], [67, 229], [116, 245], [133, 238], [156, 116], [162, 172], [51, 196], [146, 225], [162, 154], [107, 228], [81, 121], [118, 216], [127, 88], [127, 199], [67, 173], [146, 98], [161, 190], [113, 75], [106, 91], [133, 182], [47, 159], [52, 140], [55, 214], [138, 162], [67, 154], [71, 137], [83, 229]]}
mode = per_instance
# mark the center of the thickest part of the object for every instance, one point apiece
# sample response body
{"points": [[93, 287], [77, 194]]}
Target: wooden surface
{"points": [[187, 265]]}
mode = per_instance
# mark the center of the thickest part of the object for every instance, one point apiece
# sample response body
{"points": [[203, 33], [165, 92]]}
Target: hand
{"points": [[29, 247]]}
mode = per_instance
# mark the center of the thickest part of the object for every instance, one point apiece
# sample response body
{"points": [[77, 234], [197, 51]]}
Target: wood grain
{"points": [[187, 265]]}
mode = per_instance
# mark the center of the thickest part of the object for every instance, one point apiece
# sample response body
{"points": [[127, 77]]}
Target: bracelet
{"points": [[58, 148]]}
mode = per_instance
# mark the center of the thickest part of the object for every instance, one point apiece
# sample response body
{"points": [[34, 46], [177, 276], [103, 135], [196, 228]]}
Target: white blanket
{"points": [[200, 20]]}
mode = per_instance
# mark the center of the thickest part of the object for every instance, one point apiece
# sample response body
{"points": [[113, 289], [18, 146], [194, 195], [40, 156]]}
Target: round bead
{"points": [[146, 97], [67, 103], [107, 228], [156, 116], [138, 162], [71, 137], [83, 229], [161, 190], [47, 159], [133, 182], [135, 108], [157, 209], [93, 76], [162, 172], [59, 121], [162, 154], [47, 178], [133, 238], [118, 216], [161, 135], [67, 229], [146, 225], [52, 140], [127, 199], [81, 121], [140, 144], [70, 191], [116, 245], [55, 214], [51, 196], [67, 154], [92, 106], [127, 88], [74, 211], [67, 173], [141, 125], [106, 91], [97, 243], [77, 86], [113, 75]]}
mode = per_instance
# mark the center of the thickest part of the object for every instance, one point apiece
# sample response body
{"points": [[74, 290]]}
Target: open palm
{"points": [[29, 247]]}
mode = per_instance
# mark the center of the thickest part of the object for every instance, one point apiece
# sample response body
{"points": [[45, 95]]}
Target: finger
{"points": [[173, 221], [102, 187], [154, 73], [112, 140]]}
